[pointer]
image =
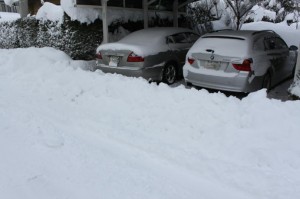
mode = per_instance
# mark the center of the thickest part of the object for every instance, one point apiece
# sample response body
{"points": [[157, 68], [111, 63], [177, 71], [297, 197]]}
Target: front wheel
{"points": [[169, 74]]}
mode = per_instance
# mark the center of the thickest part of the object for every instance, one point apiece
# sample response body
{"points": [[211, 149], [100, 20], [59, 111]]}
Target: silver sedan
{"points": [[239, 61], [156, 54]]}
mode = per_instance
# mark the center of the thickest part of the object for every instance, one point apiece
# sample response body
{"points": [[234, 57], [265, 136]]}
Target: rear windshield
{"points": [[223, 45]]}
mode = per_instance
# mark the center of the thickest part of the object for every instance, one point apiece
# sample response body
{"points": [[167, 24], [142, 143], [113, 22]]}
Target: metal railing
{"points": [[6, 8]]}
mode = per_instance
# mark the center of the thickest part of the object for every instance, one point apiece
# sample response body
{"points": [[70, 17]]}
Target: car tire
{"points": [[267, 82], [188, 84], [170, 74]]}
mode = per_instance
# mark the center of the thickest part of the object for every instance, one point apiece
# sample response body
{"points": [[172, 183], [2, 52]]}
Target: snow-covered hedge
{"points": [[27, 31], [8, 35], [76, 39]]}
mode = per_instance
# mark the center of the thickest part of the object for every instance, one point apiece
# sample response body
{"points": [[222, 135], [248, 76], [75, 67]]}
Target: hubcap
{"points": [[170, 74]]}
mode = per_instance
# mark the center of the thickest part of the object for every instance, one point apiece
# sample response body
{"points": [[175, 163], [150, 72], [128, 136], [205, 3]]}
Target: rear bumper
{"points": [[148, 73], [235, 82]]}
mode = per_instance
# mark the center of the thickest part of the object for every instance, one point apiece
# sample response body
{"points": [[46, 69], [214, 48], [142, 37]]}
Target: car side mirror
{"points": [[293, 48]]}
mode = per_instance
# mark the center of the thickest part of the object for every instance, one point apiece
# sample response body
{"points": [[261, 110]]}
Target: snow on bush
{"points": [[258, 13], [8, 35], [50, 12], [83, 15]]}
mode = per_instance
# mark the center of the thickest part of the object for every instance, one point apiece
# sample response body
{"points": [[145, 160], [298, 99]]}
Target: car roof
{"points": [[242, 34]]}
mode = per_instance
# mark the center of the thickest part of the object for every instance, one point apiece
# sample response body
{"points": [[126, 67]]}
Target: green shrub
{"points": [[79, 41], [249, 20], [8, 35], [27, 31], [268, 19]]}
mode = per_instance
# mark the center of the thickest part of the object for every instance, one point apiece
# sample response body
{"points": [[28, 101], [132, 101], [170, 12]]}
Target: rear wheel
{"points": [[169, 73], [267, 82]]}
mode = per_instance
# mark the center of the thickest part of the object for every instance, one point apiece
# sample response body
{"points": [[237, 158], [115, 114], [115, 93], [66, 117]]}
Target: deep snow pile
{"points": [[70, 133]]}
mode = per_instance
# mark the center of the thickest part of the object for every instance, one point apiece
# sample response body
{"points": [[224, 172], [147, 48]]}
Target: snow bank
{"points": [[50, 12], [7, 17], [69, 133]]}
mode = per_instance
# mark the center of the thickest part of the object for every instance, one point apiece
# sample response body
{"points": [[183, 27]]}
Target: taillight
{"points": [[98, 55], [245, 66], [191, 60], [132, 57]]}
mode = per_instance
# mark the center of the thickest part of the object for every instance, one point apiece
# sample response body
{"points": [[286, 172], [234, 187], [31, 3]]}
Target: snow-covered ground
{"points": [[69, 133], [7, 16], [66, 132]]}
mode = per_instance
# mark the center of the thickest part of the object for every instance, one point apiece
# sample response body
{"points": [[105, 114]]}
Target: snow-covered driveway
{"points": [[70, 133]]}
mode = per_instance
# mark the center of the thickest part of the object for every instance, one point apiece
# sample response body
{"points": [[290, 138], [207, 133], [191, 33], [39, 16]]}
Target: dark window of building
{"points": [[133, 4], [115, 3], [89, 2]]}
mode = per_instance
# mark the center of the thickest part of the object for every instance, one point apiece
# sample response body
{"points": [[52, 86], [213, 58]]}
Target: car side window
{"points": [[180, 38], [269, 42], [280, 44]]}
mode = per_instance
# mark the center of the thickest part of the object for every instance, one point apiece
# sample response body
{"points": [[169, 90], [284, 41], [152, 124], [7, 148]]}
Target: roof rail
{"points": [[261, 31]]}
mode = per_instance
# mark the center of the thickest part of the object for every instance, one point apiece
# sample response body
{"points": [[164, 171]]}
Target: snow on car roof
{"points": [[145, 42]]}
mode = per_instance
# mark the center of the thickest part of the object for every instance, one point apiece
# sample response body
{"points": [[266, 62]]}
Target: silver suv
{"points": [[239, 61]]}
